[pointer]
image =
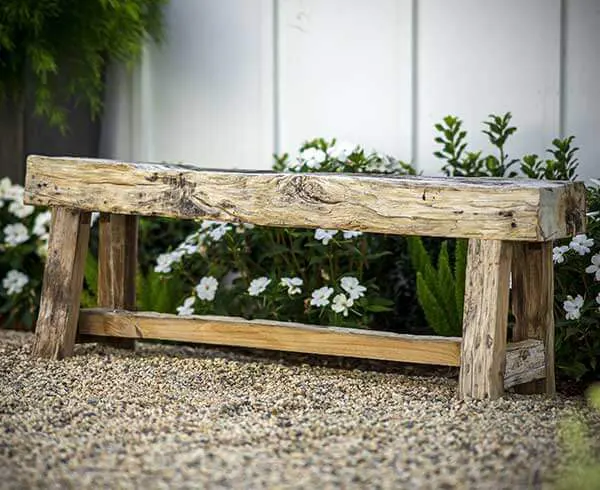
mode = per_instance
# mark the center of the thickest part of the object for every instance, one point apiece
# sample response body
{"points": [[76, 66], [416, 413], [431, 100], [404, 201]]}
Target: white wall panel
{"points": [[344, 70], [582, 81], [238, 80], [478, 57], [208, 94]]}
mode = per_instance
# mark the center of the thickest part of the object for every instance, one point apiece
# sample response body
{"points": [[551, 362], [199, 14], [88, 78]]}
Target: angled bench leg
{"points": [[56, 326], [117, 267], [483, 350], [532, 306]]}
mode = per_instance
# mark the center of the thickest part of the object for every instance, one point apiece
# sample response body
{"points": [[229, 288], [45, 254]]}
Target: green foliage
{"points": [[157, 292], [578, 339], [463, 163], [66, 44], [438, 288], [237, 255], [154, 291], [562, 167], [582, 458]]}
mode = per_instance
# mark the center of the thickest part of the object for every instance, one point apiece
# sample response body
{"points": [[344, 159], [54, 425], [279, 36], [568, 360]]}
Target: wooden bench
{"points": [[510, 225]]}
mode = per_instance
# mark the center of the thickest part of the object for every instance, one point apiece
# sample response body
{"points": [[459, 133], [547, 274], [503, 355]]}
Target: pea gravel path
{"points": [[180, 417]]}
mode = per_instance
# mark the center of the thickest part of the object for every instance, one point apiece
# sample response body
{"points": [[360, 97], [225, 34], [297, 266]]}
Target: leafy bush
{"points": [[65, 45], [577, 296], [312, 276], [441, 290], [23, 245], [327, 277]]}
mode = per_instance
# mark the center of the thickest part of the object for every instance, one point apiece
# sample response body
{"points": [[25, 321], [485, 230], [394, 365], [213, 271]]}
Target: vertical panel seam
{"points": [[275, 74], [562, 68], [414, 83]]}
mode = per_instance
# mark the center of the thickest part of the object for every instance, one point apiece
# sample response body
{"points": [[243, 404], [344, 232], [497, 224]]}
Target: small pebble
{"points": [[168, 416]]}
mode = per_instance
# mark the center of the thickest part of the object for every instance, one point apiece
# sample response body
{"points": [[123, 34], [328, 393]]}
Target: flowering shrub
{"points": [[577, 295], [313, 276], [577, 261], [332, 277], [23, 245]]}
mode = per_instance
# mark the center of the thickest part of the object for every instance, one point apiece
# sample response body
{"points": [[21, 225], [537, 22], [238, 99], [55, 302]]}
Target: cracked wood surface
{"points": [[526, 210], [483, 353], [532, 305], [56, 326]]}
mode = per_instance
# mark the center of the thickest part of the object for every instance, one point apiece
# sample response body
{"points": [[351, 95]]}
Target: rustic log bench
{"points": [[510, 225]]}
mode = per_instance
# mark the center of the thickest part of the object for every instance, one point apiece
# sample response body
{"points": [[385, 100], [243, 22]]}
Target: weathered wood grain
{"points": [[525, 362], [56, 326], [265, 334], [525, 210], [532, 306], [483, 351], [117, 267]]}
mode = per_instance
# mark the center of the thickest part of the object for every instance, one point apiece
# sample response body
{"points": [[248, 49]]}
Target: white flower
{"points": [[242, 227], [14, 193], [188, 248], [352, 287], [558, 254], [5, 185], [595, 267], [42, 249], [313, 157], [166, 260], [40, 224], [207, 288], [341, 151], [20, 210], [293, 284], [258, 285], [598, 300], [187, 308], [14, 282], [341, 304], [320, 297], [581, 244], [219, 232], [15, 234], [573, 307], [351, 234], [324, 235]]}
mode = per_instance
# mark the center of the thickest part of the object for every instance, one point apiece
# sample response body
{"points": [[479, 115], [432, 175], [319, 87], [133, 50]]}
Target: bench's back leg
{"points": [[532, 305], [56, 326], [483, 350], [117, 267]]}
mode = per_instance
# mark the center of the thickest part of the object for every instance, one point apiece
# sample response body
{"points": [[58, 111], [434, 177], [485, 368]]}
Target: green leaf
{"points": [[460, 272], [434, 312], [447, 290]]}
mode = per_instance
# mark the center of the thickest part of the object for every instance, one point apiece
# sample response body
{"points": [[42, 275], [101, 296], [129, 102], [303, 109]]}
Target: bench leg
{"points": [[532, 306], [56, 326], [117, 267], [483, 350]]}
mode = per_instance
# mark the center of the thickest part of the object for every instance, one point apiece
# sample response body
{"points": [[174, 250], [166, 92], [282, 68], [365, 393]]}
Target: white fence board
{"points": [[237, 80]]}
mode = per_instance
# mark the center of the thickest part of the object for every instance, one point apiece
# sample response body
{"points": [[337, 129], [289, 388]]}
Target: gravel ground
{"points": [[180, 417]]}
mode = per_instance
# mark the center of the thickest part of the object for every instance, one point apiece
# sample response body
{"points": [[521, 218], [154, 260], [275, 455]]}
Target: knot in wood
{"points": [[303, 188]]}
